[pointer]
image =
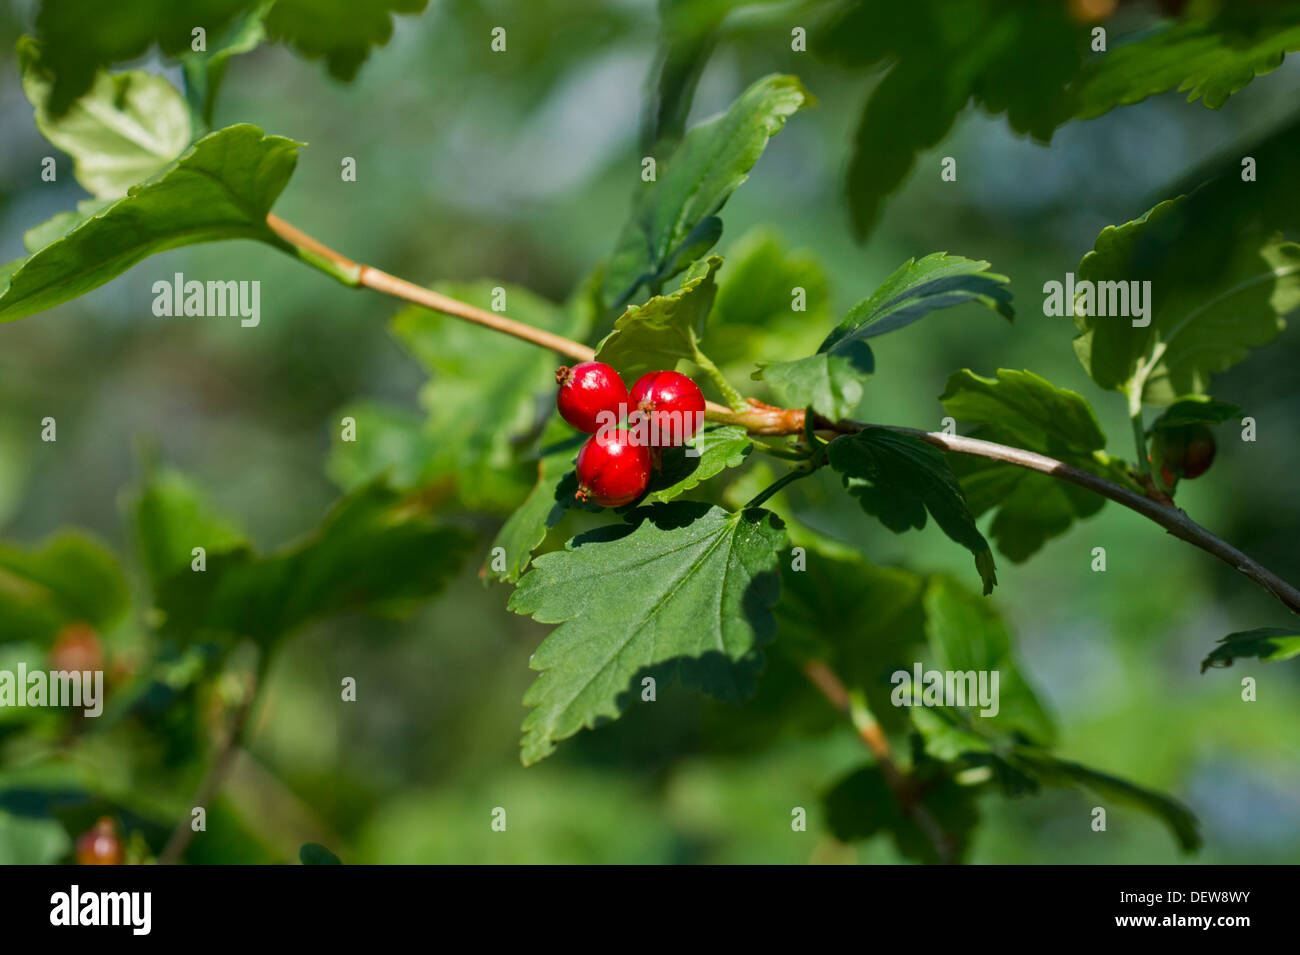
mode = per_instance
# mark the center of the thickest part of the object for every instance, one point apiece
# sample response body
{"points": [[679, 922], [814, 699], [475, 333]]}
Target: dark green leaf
{"points": [[944, 55], [78, 38], [1208, 60], [685, 591], [1194, 409], [125, 129], [376, 552], [1267, 644], [221, 188], [898, 478], [340, 31], [1058, 772], [862, 805], [865, 622], [919, 287], [313, 853], [693, 184]]}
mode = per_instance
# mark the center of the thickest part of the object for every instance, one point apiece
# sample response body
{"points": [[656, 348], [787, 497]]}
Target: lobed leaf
{"points": [[1212, 299], [897, 479], [1267, 644], [126, 128], [665, 329], [222, 187], [685, 591], [673, 219]]}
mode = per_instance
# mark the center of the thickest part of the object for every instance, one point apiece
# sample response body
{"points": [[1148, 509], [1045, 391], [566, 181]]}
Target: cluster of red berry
{"points": [[664, 409]]}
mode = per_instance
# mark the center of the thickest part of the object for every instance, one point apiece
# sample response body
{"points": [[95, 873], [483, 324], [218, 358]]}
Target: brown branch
{"points": [[900, 784], [763, 419]]}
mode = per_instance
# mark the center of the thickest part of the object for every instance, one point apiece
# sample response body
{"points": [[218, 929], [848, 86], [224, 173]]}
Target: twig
{"points": [[764, 419], [221, 766], [900, 784]]}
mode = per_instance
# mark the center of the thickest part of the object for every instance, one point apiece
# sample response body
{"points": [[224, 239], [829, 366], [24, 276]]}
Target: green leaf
{"points": [[78, 39], [340, 31], [1267, 644], [526, 529], [967, 634], [1194, 409], [665, 329], [27, 841], [313, 853], [753, 315], [1021, 409], [205, 71], [862, 805], [919, 287], [897, 478], [171, 518], [376, 552], [678, 211], [686, 591], [1212, 298], [942, 56], [475, 456], [831, 381], [865, 622], [1208, 60], [221, 188], [68, 579], [125, 129], [1033, 411], [1058, 772], [718, 448]]}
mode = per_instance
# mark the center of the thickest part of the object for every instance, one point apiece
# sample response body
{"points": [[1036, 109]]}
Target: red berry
{"points": [[77, 648], [587, 390], [612, 470], [100, 845], [675, 405]]}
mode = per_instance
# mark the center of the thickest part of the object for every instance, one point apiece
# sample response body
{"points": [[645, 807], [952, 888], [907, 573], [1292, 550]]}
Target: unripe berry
{"points": [[675, 405], [588, 389], [100, 845], [612, 470], [1188, 451], [77, 648]]}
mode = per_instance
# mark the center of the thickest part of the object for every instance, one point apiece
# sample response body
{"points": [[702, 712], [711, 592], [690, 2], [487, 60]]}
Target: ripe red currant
{"points": [[587, 390], [675, 405], [100, 845], [612, 470]]}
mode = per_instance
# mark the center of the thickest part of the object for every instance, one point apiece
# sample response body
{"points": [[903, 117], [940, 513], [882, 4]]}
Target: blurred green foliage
{"points": [[519, 170]]}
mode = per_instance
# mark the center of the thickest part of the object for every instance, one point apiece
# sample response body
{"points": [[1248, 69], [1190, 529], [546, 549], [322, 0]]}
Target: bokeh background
{"points": [[520, 168]]}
